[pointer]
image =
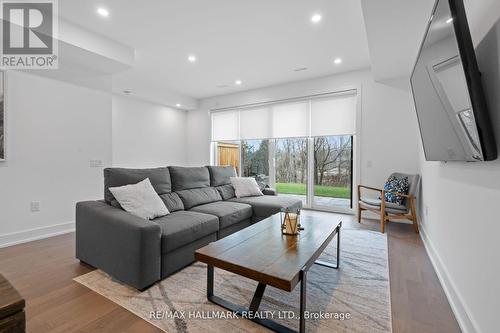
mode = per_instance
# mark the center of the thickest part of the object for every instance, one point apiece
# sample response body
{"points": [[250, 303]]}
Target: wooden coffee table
{"points": [[261, 253]]}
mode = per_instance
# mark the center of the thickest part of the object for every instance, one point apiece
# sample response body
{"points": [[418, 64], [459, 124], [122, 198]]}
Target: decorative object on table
{"points": [[392, 203], [2, 117], [290, 221]]}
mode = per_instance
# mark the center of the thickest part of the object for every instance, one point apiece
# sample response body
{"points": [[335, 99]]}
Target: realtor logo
{"points": [[28, 34]]}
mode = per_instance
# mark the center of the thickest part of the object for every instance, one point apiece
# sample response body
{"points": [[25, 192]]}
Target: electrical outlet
{"points": [[369, 164], [35, 206]]}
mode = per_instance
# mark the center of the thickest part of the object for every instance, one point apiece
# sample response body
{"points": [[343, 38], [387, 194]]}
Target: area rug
{"points": [[355, 298]]}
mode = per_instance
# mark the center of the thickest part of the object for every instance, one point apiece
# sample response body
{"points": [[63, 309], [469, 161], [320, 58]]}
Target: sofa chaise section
{"points": [[267, 205]]}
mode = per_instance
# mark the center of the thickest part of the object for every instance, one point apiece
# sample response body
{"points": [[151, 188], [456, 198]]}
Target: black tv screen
{"points": [[446, 84]]}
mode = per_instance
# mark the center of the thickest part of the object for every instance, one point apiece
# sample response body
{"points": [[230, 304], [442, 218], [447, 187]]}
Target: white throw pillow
{"points": [[245, 187], [140, 199]]}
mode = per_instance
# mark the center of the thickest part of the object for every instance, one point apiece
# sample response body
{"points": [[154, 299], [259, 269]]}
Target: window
{"points": [[291, 168], [228, 153], [255, 160], [333, 171], [304, 148]]}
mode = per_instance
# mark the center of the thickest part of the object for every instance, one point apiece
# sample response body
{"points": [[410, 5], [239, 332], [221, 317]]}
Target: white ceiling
{"points": [[395, 29], [260, 42]]}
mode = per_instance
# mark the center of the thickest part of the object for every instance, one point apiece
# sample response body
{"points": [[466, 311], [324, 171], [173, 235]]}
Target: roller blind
{"points": [[335, 115], [290, 120], [330, 115], [225, 126], [256, 123]]}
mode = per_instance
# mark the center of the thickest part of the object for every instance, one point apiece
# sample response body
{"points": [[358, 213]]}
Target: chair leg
{"points": [[414, 216], [382, 221], [359, 214]]}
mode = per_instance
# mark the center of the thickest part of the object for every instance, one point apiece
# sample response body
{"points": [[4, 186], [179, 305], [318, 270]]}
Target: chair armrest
{"points": [[123, 245], [269, 191], [367, 188], [407, 196]]}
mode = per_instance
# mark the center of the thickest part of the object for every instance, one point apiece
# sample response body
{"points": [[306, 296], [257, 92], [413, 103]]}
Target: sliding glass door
{"points": [[291, 168], [255, 160], [332, 170], [302, 147]]}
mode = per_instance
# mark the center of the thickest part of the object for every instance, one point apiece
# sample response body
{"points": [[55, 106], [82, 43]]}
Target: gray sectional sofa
{"points": [[203, 208]]}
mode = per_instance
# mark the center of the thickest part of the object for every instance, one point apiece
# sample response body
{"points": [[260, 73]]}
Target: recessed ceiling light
{"points": [[449, 20], [238, 82], [127, 92], [191, 58], [103, 12], [300, 69], [316, 18], [337, 61], [178, 105]]}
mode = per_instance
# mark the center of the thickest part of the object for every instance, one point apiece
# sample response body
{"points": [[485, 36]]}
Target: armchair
{"points": [[388, 210]]}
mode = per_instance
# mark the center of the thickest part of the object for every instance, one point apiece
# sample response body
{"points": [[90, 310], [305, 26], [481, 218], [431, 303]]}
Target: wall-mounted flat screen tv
{"points": [[447, 90]]}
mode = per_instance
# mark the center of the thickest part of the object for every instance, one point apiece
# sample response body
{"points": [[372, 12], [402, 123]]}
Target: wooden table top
{"points": [[260, 252], [10, 300]]}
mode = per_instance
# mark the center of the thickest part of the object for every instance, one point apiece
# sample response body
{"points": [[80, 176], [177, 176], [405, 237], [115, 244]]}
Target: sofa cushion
{"points": [[229, 213], [187, 178], [220, 175], [114, 177], [226, 191], [265, 206], [198, 196], [172, 201], [182, 228]]}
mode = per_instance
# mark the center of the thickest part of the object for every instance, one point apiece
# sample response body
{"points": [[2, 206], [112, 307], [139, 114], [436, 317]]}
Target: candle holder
{"points": [[290, 221]]}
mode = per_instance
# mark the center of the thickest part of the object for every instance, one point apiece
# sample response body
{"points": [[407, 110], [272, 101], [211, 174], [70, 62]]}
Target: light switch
{"points": [[35, 206]]}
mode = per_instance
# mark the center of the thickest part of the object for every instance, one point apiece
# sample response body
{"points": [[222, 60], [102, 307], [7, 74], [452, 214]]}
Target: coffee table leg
{"points": [[303, 294], [330, 265], [257, 297], [276, 327], [210, 281]]}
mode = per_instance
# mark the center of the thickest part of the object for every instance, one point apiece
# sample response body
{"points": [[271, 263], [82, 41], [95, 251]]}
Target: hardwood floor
{"points": [[42, 271]]}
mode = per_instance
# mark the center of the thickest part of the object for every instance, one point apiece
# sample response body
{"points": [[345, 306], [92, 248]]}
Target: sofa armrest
{"points": [[269, 191], [123, 245]]}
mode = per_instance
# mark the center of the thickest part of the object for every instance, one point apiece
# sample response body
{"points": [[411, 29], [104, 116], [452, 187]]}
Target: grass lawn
{"points": [[320, 191]]}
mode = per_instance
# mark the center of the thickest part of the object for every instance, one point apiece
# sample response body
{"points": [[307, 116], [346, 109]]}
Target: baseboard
{"points": [[36, 234], [458, 306]]}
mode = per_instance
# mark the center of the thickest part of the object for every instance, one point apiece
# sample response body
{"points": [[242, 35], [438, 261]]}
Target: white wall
{"points": [[460, 224], [147, 135], [388, 134], [53, 131]]}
